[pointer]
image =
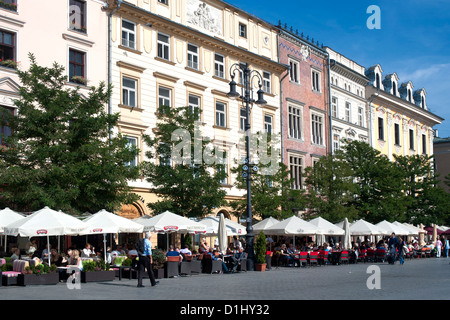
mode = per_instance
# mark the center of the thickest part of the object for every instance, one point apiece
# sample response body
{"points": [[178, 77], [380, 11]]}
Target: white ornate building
{"points": [[348, 108]]}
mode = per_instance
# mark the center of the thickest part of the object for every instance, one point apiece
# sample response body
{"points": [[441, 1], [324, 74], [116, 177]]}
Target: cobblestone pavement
{"points": [[418, 279]]}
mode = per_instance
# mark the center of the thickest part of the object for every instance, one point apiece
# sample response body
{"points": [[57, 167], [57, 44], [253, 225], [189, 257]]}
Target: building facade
{"points": [[305, 95], [179, 53], [72, 34], [441, 148], [349, 115], [399, 120]]}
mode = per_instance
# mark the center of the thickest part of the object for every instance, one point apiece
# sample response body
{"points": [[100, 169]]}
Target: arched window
{"points": [[423, 102], [377, 81], [409, 95], [394, 88]]}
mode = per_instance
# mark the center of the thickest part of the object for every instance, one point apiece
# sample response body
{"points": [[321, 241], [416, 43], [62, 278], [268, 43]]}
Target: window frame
{"points": [[83, 9], [129, 32], [12, 47], [243, 30], [296, 171], [129, 89], [135, 162], [295, 122], [294, 72], [220, 115], [317, 129], [219, 65], [315, 80], [163, 47], [267, 82], [5, 125], [74, 64], [334, 107], [163, 98], [381, 129], [268, 124], [195, 56]]}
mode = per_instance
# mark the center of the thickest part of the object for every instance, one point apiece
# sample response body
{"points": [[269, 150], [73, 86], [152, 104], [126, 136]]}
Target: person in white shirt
{"points": [[87, 251]]}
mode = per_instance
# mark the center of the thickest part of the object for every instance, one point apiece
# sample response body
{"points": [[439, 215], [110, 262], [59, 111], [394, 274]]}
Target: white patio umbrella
{"points": [[212, 227], [292, 226], [107, 222], [8, 216], [222, 234], [392, 228], [46, 222], [168, 222], [413, 231], [364, 228], [326, 227], [264, 224], [347, 235]]}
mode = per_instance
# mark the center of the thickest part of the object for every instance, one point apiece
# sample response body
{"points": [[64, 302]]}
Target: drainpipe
{"points": [[330, 117], [281, 113], [118, 2]]}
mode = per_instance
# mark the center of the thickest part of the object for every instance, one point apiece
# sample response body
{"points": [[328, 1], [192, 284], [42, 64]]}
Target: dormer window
{"points": [[377, 81], [394, 88], [423, 102], [409, 95]]}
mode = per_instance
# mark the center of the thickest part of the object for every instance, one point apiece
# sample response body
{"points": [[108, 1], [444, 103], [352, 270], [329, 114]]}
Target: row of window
{"points": [[129, 98], [193, 53], [295, 125], [381, 136], [294, 75], [348, 112], [359, 92]]}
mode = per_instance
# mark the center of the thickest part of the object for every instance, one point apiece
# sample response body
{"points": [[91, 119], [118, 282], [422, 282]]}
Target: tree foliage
{"points": [[186, 186], [60, 154], [271, 193]]}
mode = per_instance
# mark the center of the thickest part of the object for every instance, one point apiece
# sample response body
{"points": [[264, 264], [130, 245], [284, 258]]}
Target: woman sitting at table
{"points": [[76, 260], [285, 256]]}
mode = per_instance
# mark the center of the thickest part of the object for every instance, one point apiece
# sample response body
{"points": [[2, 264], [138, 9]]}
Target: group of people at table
{"points": [[394, 245], [230, 260]]}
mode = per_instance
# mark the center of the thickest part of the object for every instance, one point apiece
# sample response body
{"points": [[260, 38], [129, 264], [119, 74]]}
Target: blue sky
{"points": [[414, 39]]}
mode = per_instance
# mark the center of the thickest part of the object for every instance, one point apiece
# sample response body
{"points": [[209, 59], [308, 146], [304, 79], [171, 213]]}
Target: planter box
{"points": [[260, 267], [33, 279], [97, 276], [159, 273]]}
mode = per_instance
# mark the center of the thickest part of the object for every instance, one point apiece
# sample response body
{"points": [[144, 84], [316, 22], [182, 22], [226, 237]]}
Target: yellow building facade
{"points": [[399, 120]]}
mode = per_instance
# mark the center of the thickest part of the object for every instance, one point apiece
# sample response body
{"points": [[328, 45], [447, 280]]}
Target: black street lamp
{"points": [[247, 99]]}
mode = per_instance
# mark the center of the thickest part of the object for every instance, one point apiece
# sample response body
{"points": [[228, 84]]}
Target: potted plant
{"points": [[260, 252], [38, 274], [95, 271], [79, 80], [8, 63], [159, 260]]}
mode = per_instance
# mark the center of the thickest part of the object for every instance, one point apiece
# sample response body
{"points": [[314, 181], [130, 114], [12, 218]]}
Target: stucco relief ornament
{"points": [[203, 18], [305, 52]]}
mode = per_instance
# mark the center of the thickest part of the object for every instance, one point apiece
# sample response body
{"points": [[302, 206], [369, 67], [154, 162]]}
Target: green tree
{"points": [[60, 154], [271, 193], [378, 191], [425, 201], [330, 189], [184, 185]]}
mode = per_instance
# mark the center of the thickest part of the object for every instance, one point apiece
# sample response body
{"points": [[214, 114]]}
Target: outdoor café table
{"points": [[335, 257]]}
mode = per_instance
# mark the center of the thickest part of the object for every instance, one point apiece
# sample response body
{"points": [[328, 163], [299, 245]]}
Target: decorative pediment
{"points": [[9, 85]]}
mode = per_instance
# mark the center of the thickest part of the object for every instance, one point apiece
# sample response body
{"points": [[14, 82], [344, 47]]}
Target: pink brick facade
{"points": [[305, 97]]}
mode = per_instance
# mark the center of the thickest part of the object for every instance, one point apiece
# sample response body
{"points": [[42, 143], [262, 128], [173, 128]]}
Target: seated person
{"points": [[238, 257], [15, 254], [174, 253], [203, 248], [285, 255], [88, 251], [381, 246], [185, 251], [216, 256]]}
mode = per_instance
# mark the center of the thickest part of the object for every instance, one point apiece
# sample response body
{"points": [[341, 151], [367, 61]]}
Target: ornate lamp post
{"points": [[247, 100]]}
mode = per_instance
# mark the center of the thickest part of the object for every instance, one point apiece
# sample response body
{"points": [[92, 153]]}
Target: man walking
{"points": [[144, 249], [393, 244]]}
